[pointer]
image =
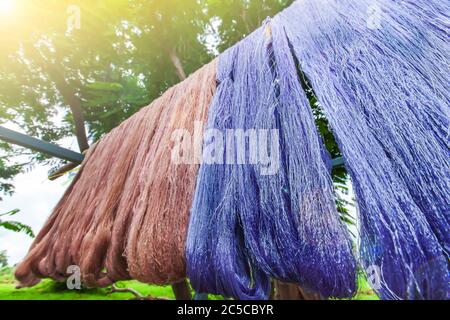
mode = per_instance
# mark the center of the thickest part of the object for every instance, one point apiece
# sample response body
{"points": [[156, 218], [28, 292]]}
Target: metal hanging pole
{"points": [[73, 157], [40, 146], [338, 162]]}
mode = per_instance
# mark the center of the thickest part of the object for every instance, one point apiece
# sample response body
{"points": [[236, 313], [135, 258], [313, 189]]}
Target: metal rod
{"points": [[39, 145], [58, 173], [66, 154], [338, 162]]}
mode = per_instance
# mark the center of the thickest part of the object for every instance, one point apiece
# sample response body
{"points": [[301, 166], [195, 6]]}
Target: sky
{"points": [[35, 197]]}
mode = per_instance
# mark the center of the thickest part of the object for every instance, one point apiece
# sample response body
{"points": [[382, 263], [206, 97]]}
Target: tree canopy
{"points": [[74, 67]]}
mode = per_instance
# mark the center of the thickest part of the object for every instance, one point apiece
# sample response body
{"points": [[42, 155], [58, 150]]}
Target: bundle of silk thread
{"points": [[248, 225], [217, 260], [157, 237], [125, 214], [380, 72]]}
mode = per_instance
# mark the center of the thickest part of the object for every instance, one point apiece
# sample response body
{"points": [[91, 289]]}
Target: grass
{"points": [[365, 292], [50, 290]]}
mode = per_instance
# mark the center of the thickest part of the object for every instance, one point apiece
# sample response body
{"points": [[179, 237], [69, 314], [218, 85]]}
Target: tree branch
{"points": [[74, 102], [177, 64], [138, 295], [68, 94]]}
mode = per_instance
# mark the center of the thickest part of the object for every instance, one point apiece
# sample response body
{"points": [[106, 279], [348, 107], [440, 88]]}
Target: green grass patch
{"points": [[50, 290], [365, 292]]}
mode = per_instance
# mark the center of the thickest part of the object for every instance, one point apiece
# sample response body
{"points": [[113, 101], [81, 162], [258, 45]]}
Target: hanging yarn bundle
{"points": [[61, 244], [266, 210], [157, 237], [126, 179], [215, 251], [380, 72]]}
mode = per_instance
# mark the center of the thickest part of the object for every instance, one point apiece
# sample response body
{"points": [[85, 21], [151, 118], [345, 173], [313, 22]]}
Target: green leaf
{"points": [[17, 227], [10, 213], [104, 86]]}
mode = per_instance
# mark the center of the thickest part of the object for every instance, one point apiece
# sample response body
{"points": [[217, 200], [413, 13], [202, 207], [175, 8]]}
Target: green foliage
{"points": [[3, 259], [238, 18], [7, 173], [340, 176], [14, 225], [17, 227], [117, 62]]}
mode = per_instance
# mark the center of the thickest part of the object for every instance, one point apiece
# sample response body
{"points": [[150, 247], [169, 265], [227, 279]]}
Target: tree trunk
{"points": [[244, 19], [74, 103], [67, 92], [177, 64], [181, 290], [288, 291]]}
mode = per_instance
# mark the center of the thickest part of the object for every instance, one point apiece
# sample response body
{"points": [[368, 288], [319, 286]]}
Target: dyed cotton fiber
{"points": [[157, 236], [249, 223], [380, 72], [93, 226], [217, 261]]}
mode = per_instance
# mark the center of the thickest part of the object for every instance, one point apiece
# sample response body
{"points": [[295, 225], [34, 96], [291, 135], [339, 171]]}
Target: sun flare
{"points": [[6, 6]]}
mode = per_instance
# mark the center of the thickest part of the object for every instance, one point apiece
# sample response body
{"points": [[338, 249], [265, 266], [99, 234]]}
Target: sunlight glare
{"points": [[6, 6]]}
